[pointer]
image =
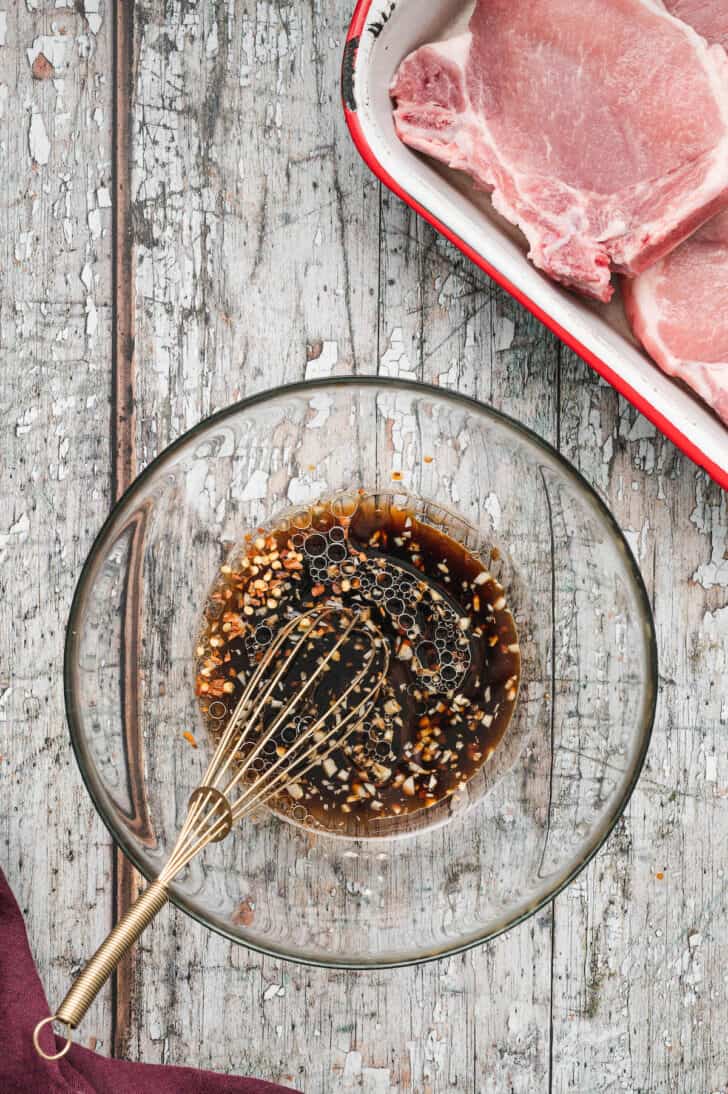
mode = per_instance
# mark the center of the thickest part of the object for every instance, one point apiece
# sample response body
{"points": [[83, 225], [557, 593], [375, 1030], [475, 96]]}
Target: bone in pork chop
{"points": [[601, 127], [679, 308]]}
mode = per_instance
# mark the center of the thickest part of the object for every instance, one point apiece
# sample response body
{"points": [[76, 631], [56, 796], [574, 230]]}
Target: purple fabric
{"points": [[23, 1004]]}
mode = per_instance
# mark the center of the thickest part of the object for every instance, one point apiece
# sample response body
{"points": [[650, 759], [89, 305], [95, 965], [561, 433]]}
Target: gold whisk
{"points": [[233, 786]]}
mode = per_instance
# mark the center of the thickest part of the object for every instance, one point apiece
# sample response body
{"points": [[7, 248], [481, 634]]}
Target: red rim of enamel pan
{"points": [[663, 424]]}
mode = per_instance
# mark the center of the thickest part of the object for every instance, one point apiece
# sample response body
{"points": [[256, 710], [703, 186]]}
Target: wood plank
{"points": [[640, 995], [255, 226], [259, 254], [55, 328]]}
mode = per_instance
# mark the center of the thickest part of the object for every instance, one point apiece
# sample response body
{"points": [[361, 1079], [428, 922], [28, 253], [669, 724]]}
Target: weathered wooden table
{"points": [[185, 221]]}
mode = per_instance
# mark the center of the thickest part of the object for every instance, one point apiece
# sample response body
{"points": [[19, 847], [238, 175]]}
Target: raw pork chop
{"points": [[679, 311], [601, 127], [679, 308]]}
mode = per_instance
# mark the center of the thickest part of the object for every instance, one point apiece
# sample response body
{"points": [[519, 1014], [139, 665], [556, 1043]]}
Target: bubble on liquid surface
{"points": [[413, 603]]}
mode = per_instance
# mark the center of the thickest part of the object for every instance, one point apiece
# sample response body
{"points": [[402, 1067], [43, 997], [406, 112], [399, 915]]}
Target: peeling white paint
{"points": [[23, 246], [94, 223], [92, 11], [352, 1069], [376, 1080], [3, 100], [3, 27], [504, 331], [5, 692], [608, 450], [714, 521], [256, 488], [394, 360], [53, 48], [714, 634], [212, 44], [323, 365], [63, 450], [450, 377], [638, 540], [17, 532], [492, 507], [303, 490], [401, 424], [25, 421], [38, 143], [92, 317], [61, 407], [322, 404], [642, 429]]}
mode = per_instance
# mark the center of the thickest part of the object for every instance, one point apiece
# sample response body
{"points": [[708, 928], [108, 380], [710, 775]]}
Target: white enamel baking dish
{"points": [[382, 32]]}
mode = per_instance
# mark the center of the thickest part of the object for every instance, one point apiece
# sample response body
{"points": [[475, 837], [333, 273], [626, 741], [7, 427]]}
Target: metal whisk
{"points": [[234, 784]]}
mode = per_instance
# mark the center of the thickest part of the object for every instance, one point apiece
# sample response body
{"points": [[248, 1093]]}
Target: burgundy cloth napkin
{"points": [[23, 1004]]}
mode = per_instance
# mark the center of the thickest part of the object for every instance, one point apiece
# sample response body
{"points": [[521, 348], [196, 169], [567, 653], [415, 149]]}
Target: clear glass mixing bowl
{"points": [[550, 794]]}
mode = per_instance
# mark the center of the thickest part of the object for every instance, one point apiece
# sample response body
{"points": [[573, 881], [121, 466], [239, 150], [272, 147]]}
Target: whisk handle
{"points": [[100, 967]]}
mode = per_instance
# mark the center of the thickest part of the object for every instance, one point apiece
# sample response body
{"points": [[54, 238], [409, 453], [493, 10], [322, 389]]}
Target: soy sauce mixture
{"points": [[454, 666]]}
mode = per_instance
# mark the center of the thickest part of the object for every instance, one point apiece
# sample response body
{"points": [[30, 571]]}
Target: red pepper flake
{"points": [[190, 739], [397, 476]]}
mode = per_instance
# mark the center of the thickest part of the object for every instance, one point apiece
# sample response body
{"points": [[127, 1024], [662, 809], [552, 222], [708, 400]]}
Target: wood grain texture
{"points": [[55, 334], [263, 251], [123, 425], [640, 994]]}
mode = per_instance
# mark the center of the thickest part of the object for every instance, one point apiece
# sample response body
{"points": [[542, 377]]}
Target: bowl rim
{"points": [[93, 784]]}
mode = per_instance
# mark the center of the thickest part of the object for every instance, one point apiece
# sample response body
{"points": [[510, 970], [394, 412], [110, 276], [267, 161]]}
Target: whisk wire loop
{"points": [[204, 824]]}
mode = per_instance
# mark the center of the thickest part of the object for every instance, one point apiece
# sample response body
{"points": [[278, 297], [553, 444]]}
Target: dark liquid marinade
{"points": [[454, 669]]}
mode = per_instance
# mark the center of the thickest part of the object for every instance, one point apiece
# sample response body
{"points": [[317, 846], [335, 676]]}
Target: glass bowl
{"points": [[548, 797]]}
